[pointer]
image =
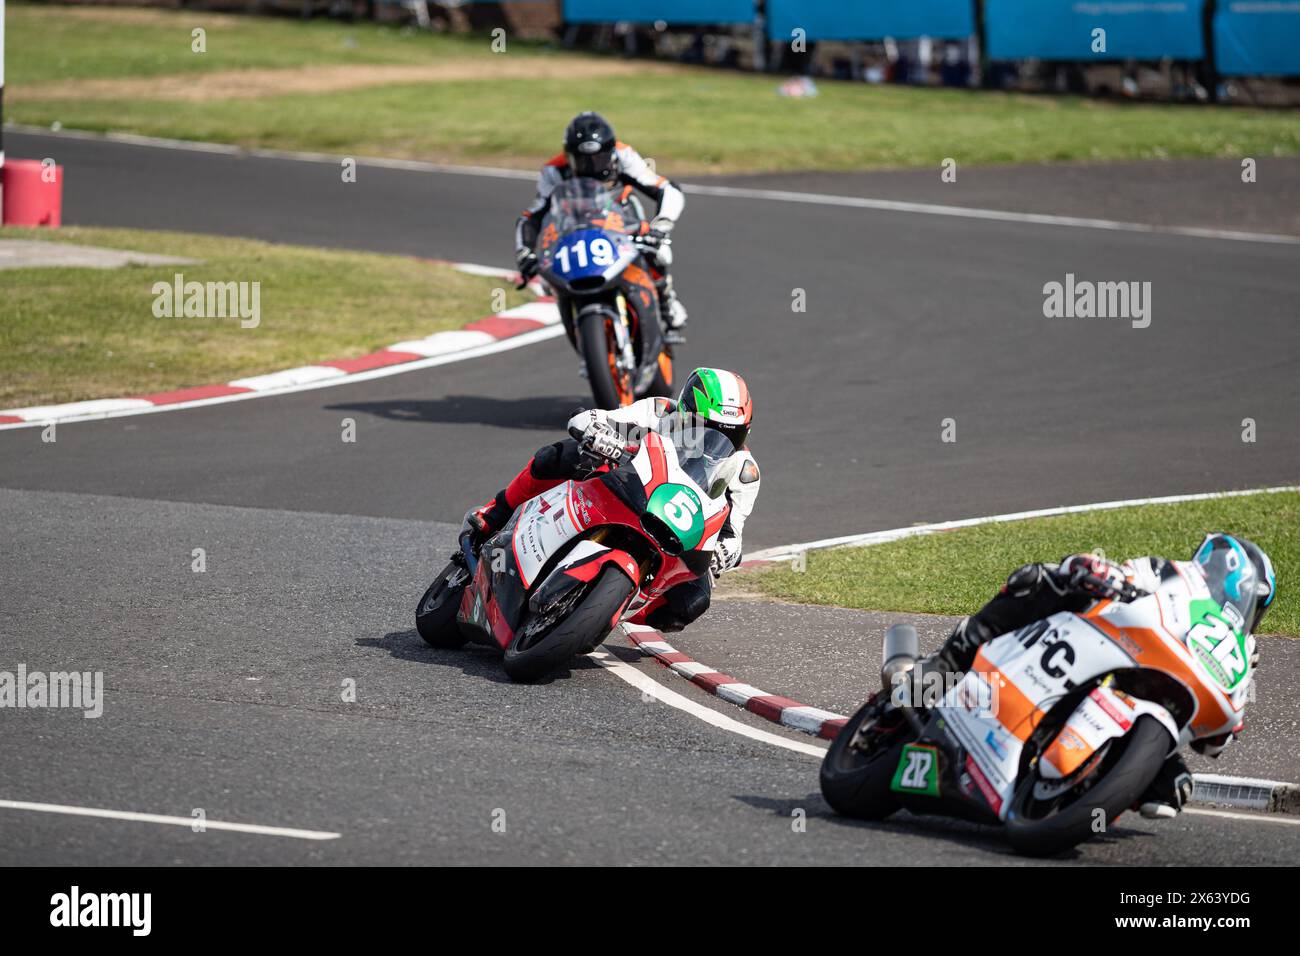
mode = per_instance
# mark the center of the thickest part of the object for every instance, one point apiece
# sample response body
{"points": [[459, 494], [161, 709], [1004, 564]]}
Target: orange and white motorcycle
{"points": [[1058, 727]]}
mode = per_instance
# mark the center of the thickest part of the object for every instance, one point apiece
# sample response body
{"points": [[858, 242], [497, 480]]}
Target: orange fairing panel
{"points": [[1155, 651]]}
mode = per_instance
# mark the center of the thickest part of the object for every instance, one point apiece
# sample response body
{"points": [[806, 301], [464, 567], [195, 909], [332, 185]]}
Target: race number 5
{"points": [[680, 511]]}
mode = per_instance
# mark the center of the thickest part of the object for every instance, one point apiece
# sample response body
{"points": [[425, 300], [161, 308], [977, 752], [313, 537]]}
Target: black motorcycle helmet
{"points": [[589, 143]]}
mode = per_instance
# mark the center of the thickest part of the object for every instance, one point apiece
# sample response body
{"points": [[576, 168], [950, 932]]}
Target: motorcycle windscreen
{"points": [[704, 454], [583, 238]]}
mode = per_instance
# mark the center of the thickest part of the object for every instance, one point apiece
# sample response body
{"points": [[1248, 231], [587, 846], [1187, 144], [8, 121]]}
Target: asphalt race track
{"points": [[223, 689]]}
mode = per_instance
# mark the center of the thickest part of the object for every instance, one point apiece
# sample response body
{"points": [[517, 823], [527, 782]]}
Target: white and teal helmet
{"points": [[721, 399], [1238, 572]]}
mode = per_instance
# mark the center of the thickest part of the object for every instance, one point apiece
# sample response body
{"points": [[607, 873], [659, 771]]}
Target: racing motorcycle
{"points": [[575, 560], [1058, 727], [592, 252]]}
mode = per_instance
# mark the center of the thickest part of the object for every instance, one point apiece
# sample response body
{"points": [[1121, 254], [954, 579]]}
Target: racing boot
{"points": [[1169, 791], [486, 520], [674, 313]]}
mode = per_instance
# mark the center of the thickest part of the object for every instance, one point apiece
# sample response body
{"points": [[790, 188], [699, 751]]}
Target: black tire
{"points": [[1127, 770], [597, 352], [856, 784], [435, 615], [541, 646]]}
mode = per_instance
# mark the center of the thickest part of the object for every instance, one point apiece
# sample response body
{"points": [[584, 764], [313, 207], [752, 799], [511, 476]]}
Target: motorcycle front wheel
{"points": [[855, 780], [611, 387], [1042, 825], [435, 615], [545, 642]]}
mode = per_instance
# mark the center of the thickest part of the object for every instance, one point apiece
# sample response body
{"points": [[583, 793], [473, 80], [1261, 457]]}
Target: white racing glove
{"points": [[724, 558], [602, 439]]}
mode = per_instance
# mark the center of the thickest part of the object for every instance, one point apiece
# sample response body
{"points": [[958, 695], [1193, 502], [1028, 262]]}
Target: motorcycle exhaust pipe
{"points": [[901, 649]]}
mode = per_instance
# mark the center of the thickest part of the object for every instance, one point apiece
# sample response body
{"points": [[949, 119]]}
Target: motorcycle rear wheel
{"points": [[540, 646], [435, 615], [856, 784], [610, 386], [1035, 829]]}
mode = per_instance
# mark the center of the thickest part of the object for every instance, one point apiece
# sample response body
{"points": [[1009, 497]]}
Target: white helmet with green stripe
{"points": [[721, 399]]}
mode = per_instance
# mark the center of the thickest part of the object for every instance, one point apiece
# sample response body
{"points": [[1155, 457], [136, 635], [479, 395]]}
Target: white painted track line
{"points": [[997, 215], [187, 822], [783, 552], [733, 192], [1252, 817], [648, 685]]}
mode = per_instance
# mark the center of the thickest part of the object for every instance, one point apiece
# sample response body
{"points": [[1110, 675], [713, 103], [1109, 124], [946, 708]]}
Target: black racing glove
{"points": [[526, 260]]}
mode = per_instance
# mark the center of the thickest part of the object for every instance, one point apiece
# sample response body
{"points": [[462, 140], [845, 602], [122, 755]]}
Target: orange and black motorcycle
{"points": [[593, 251]]}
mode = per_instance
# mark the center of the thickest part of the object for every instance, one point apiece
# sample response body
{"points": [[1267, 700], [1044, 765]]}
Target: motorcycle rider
{"points": [[591, 150], [1035, 591], [716, 398]]}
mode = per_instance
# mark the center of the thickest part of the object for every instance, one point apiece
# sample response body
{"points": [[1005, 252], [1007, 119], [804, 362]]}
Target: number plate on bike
{"points": [[918, 770]]}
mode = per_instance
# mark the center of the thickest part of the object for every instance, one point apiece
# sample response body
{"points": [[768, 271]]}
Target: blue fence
{"points": [[1251, 37], [670, 11], [1064, 29], [1257, 39], [870, 19]]}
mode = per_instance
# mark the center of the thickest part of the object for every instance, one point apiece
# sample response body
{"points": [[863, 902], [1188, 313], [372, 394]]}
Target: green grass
{"points": [[957, 571], [62, 43], [688, 119], [68, 334]]}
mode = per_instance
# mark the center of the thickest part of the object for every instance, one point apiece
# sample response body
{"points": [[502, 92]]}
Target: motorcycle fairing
{"points": [[1149, 628], [544, 525], [1014, 682], [553, 542], [584, 561], [1106, 713], [480, 616]]}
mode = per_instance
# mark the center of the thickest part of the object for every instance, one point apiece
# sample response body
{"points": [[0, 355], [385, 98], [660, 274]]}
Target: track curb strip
{"points": [[529, 317], [780, 710]]}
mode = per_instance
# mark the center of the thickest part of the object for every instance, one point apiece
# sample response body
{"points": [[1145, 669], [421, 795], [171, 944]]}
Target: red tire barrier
{"points": [[33, 193]]}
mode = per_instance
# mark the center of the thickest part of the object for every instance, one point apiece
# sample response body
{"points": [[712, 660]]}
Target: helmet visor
{"points": [[1232, 579], [590, 159]]}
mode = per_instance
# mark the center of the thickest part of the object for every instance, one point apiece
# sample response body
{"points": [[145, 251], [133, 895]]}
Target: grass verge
{"points": [[957, 571], [68, 334], [477, 106]]}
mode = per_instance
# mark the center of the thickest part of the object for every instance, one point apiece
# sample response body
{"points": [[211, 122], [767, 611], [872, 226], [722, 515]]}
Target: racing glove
{"points": [[649, 236], [526, 260], [1092, 575], [604, 441], [725, 557]]}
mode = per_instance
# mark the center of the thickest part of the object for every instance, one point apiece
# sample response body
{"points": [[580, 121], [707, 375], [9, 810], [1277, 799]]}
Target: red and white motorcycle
{"points": [[576, 560]]}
